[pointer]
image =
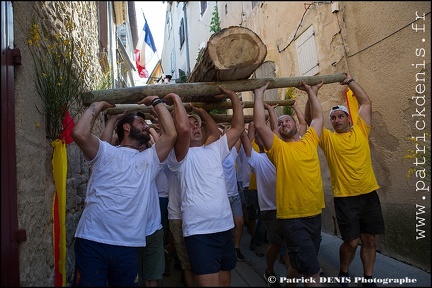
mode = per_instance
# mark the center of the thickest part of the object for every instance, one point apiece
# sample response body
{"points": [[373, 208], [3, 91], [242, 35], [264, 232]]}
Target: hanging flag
{"points": [[59, 163], [68, 124], [144, 50], [352, 104]]}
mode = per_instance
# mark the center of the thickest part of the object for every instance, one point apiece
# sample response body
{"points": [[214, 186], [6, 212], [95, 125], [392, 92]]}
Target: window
{"points": [[203, 5], [306, 53], [182, 33]]}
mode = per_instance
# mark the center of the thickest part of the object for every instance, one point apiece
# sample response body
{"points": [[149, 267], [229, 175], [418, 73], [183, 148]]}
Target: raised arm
{"points": [[307, 114], [237, 120], [181, 121], [317, 118], [107, 133], [365, 104], [263, 130], [169, 136], [301, 119], [246, 142], [272, 118], [82, 131]]}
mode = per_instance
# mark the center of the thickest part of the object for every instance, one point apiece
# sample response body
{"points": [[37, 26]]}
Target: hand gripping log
{"points": [[132, 95]]}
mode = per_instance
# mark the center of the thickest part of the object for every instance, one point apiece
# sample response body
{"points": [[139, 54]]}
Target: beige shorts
{"points": [[175, 226]]}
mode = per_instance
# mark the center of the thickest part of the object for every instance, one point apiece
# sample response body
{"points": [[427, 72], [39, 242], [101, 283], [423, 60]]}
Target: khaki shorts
{"points": [[175, 226]]}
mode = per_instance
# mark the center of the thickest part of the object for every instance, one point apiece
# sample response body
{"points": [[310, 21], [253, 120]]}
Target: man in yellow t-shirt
{"points": [[357, 205], [299, 190]]}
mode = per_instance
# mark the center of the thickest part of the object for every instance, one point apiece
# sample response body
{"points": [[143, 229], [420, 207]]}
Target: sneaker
{"points": [[239, 255], [344, 282], [271, 279], [259, 251]]}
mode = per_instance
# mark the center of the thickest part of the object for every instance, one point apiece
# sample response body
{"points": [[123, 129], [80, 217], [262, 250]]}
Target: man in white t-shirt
{"points": [[205, 207], [113, 225]]}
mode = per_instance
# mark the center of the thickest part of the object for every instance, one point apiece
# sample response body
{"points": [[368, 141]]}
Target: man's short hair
{"points": [[128, 118]]}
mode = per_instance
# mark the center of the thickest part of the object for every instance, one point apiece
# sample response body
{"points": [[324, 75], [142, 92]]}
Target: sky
{"points": [[154, 12]]}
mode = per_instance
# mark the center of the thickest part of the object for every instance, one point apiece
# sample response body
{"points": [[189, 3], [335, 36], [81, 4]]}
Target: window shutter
{"points": [[306, 53]]}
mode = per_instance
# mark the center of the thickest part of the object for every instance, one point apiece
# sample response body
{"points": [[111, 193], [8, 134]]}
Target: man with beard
{"points": [[299, 190], [113, 225]]}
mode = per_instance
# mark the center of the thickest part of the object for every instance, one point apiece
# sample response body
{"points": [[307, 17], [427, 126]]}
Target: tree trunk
{"points": [[234, 53], [120, 108]]}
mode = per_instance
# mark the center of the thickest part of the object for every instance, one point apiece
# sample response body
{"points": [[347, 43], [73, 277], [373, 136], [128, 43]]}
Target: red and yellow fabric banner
{"points": [[59, 163], [352, 104]]}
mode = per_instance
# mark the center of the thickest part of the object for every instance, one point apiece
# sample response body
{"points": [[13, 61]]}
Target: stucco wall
{"points": [[34, 152], [374, 42]]}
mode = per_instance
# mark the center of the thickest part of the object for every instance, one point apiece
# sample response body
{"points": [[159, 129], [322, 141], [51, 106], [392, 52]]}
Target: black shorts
{"points": [[252, 206], [302, 240], [359, 215]]}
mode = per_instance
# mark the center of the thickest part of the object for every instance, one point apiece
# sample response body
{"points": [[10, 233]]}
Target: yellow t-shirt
{"points": [[299, 190], [252, 180], [349, 160]]}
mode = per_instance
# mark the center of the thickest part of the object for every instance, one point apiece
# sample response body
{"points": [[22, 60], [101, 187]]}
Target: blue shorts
{"points": [[236, 205], [211, 253], [100, 265], [302, 240]]}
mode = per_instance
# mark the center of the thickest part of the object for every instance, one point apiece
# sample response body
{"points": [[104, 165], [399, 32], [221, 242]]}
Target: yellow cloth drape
{"points": [[352, 104], [59, 163]]}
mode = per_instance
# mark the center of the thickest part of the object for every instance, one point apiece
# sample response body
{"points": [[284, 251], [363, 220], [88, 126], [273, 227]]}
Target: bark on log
{"points": [[200, 89], [120, 108], [219, 118], [234, 53]]}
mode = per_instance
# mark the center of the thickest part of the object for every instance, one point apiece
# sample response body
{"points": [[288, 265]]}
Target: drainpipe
{"points": [[187, 41]]}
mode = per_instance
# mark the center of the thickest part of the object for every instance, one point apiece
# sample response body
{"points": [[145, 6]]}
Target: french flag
{"points": [[144, 50]]}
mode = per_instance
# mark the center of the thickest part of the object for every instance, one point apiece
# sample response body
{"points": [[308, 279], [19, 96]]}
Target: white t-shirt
{"points": [[162, 182], [265, 173], [118, 204], [174, 197], [205, 205], [243, 169], [229, 166]]}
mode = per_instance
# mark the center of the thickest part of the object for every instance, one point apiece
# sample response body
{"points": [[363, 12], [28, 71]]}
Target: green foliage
{"points": [[60, 82], [218, 111], [215, 22], [183, 77], [289, 94]]}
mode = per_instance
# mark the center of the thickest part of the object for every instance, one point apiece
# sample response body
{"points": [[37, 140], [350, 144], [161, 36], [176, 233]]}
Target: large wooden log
{"points": [[234, 53], [186, 90], [120, 108]]}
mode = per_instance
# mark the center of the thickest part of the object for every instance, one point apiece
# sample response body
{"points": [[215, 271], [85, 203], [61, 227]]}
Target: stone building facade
{"points": [[102, 31]]}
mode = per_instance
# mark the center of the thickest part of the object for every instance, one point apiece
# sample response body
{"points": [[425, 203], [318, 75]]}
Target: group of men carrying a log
{"points": [[122, 211]]}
